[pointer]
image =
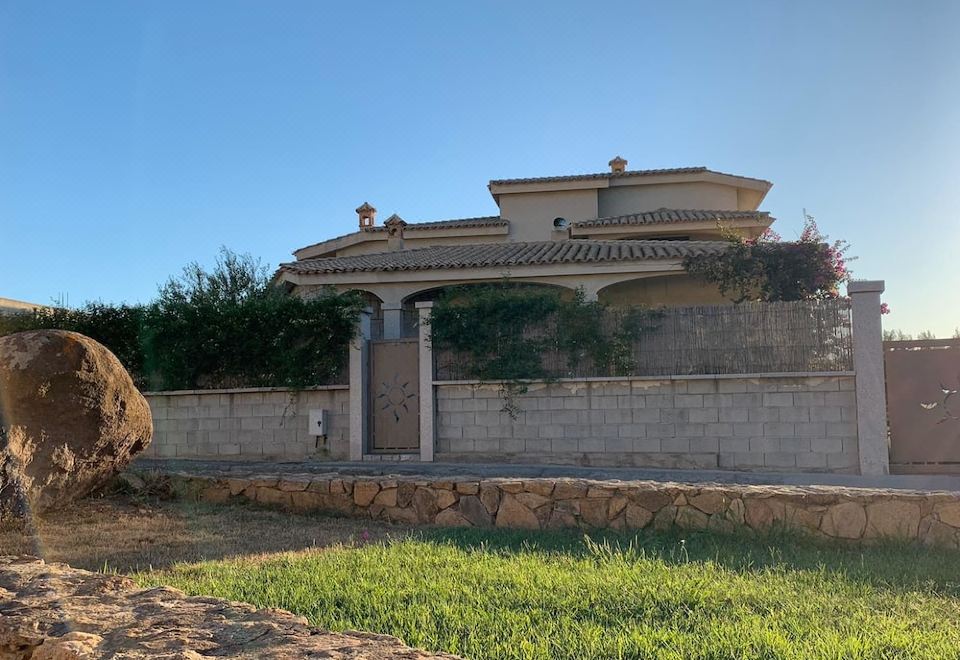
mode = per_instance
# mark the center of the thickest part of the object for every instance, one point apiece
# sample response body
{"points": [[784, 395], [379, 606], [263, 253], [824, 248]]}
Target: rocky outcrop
{"points": [[52, 611], [70, 419], [828, 512]]}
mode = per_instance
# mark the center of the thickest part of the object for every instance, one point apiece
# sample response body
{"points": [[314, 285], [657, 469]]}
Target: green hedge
{"points": [[226, 328]]}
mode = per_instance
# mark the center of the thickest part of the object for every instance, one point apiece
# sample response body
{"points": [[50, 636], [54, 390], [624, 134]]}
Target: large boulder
{"points": [[70, 419]]}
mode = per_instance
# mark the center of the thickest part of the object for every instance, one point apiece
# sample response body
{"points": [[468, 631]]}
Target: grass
{"points": [[498, 594]]}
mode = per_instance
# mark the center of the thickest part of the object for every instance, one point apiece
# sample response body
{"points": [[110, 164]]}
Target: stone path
{"points": [[906, 482], [54, 612]]}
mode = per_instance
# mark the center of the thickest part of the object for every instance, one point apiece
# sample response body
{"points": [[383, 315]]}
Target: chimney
{"points": [[618, 165], [367, 215], [394, 226]]}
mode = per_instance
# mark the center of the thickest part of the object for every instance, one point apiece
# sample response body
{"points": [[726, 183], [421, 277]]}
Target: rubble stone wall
{"points": [[550, 503]]}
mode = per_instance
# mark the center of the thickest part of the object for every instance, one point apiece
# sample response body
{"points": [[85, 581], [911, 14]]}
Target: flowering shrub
{"points": [[769, 269]]}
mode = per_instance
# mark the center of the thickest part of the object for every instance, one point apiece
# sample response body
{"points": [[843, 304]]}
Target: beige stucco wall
{"points": [[531, 215], [624, 200], [672, 290], [11, 306]]}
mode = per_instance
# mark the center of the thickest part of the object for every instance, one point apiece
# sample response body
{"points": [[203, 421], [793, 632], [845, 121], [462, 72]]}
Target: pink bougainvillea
{"points": [[768, 268]]}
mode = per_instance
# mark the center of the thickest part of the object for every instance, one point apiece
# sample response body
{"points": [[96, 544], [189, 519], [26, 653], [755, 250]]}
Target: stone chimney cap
{"points": [[618, 165], [366, 208], [395, 220]]}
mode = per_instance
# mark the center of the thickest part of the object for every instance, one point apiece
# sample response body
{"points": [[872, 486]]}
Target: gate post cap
{"points": [[865, 286]]}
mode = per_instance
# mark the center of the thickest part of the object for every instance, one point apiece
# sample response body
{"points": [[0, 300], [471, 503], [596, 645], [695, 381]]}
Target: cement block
{"points": [[690, 430], [733, 415], [779, 429], [646, 445], [795, 414], [705, 386], [826, 445], [734, 445], [764, 445], [764, 414], [678, 445], [748, 430], [825, 414], [688, 401], [705, 415], [719, 430], [810, 430], [701, 445], [779, 459]]}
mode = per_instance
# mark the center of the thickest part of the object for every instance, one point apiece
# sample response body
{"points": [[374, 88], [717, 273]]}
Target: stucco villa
{"points": [[621, 235]]}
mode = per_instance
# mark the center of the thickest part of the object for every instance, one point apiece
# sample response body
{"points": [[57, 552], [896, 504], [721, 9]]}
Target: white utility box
{"points": [[318, 422]]}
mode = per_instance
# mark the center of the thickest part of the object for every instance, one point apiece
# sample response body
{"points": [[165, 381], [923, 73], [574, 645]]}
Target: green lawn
{"points": [[487, 594]]}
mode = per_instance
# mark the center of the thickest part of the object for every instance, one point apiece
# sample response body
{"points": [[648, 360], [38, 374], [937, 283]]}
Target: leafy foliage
{"points": [[770, 270], [229, 327], [115, 326], [512, 332]]}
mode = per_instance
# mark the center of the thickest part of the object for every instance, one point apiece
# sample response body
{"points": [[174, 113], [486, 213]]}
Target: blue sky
{"points": [[138, 136]]}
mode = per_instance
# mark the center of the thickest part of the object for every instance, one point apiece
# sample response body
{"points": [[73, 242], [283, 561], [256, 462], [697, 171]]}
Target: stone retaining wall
{"points": [[250, 423], [770, 423], [822, 511]]}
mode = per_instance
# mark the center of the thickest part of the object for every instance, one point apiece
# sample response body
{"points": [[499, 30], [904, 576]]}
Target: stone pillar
{"points": [[392, 320], [427, 413], [871, 386], [359, 388]]}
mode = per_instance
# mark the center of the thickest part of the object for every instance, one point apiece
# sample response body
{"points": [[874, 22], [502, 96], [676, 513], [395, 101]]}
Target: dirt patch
{"points": [[119, 534], [53, 611]]}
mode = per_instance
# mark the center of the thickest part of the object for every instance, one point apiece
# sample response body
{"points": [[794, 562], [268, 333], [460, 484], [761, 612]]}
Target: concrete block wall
{"points": [[248, 424], [805, 423]]}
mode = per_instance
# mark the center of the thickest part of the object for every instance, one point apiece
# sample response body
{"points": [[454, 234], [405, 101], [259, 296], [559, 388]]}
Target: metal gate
{"points": [[923, 405], [394, 396]]}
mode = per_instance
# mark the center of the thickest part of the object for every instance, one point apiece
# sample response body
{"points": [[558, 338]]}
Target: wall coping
{"points": [[619, 379], [247, 390]]}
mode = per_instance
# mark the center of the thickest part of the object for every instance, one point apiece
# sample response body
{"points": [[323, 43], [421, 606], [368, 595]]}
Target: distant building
{"points": [[621, 235], [10, 306]]}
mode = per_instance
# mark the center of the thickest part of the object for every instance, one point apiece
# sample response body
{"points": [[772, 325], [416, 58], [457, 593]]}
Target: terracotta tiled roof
{"points": [[459, 223], [506, 255], [483, 221], [666, 216], [616, 175]]}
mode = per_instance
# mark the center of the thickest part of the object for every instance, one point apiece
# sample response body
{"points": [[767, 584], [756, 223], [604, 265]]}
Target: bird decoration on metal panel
{"points": [[945, 403]]}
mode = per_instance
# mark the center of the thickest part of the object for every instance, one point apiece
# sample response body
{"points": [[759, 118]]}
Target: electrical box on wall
{"points": [[318, 423]]}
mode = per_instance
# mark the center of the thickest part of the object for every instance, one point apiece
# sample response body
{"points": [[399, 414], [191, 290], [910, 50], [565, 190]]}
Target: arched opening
{"points": [[435, 292], [665, 290]]}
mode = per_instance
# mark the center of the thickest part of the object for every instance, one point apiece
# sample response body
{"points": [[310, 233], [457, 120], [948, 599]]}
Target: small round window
{"points": [[560, 223]]}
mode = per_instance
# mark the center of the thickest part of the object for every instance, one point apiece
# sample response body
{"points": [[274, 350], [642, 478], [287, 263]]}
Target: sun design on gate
{"points": [[394, 397]]}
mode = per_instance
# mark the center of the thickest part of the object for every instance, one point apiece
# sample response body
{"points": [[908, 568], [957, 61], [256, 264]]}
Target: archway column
{"points": [[392, 319]]}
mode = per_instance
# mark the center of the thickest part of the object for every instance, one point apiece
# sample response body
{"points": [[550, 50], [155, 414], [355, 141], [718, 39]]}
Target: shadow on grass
{"points": [[889, 564], [129, 535], [126, 535]]}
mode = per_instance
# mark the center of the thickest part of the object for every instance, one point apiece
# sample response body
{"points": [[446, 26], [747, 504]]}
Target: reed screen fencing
{"points": [[748, 338]]}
